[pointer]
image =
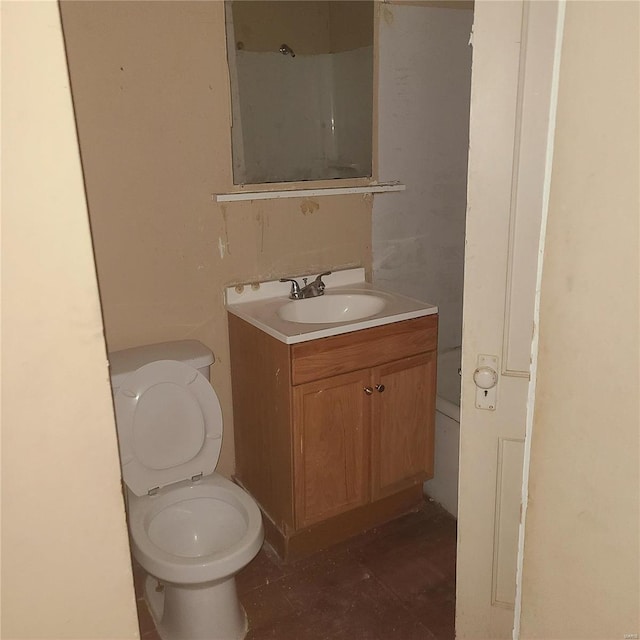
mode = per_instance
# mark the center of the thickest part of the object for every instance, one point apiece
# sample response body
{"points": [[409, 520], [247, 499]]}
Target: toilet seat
{"points": [[169, 425]]}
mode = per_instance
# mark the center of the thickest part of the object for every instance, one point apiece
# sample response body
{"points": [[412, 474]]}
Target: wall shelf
{"points": [[384, 187]]}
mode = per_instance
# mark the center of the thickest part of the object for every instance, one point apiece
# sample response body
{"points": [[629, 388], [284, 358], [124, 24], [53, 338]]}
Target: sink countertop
{"points": [[258, 305]]}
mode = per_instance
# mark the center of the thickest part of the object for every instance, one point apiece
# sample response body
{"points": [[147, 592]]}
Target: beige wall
{"points": [[65, 558], [351, 24], [582, 543], [150, 89], [306, 26], [264, 26]]}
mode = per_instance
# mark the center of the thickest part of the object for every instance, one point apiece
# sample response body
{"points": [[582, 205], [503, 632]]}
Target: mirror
{"points": [[301, 89]]}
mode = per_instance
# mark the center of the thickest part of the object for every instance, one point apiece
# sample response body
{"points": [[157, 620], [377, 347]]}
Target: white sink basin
{"points": [[329, 308], [348, 304]]}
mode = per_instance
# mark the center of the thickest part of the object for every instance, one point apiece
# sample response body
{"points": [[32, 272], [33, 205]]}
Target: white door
{"points": [[514, 47]]}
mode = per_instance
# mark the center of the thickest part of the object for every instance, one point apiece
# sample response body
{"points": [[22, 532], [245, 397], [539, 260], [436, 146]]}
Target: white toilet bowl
{"points": [[192, 539], [191, 529]]}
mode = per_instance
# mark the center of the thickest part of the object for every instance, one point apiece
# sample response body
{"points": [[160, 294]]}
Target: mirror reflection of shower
{"points": [[301, 77]]}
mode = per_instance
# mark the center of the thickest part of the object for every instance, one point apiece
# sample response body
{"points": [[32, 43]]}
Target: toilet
{"points": [[191, 529]]}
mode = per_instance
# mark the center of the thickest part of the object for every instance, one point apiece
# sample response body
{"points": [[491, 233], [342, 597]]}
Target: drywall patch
{"points": [[222, 246], [308, 206], [260, 219], [223, 240]]}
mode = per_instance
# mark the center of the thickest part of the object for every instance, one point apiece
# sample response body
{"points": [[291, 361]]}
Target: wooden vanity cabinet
{"points": [[402, 436], [336, 435], [330, 446]]}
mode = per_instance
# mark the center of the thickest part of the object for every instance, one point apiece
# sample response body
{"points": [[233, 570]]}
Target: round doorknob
{"points": [[485, 377], [368, 390], [380, 388]]}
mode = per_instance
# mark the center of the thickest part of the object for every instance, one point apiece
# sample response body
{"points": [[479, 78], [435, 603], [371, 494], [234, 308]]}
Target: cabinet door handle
{"points": [[380, 388], [368, 390]]}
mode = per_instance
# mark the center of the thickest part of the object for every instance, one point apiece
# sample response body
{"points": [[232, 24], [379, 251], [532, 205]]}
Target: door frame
{"points": [[553, 107], [545, 187]]}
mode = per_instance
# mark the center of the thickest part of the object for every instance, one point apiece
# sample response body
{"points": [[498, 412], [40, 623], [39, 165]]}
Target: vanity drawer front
{"points": [[328, 357]]}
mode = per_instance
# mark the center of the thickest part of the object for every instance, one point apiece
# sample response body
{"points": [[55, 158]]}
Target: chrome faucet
{"points": [[311, 290]]}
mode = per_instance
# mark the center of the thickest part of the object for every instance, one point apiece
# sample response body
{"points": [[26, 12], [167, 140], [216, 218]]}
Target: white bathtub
{"points": [[443, 488]]}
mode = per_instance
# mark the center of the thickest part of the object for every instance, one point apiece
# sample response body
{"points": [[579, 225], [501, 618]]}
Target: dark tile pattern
{"points": [[395, 582]]}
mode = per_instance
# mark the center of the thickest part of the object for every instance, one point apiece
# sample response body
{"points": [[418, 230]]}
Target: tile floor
{"points": [[395, 582]]}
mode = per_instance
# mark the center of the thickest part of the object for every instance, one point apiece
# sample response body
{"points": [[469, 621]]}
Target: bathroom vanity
{"points": [[334, 425]]}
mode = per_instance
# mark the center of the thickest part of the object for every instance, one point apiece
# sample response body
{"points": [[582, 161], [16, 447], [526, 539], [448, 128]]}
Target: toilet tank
{"points": [[191, 352]]}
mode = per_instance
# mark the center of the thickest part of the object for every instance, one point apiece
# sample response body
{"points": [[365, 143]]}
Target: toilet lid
{"points": [[169, 425]]}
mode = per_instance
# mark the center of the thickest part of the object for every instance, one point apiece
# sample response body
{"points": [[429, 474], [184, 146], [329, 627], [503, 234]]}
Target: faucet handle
{"points": [[319, 284], [295, 287]]}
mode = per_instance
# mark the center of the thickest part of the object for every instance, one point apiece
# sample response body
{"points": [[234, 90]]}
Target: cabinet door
{"points": [[331, 446], [403, 424]]}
